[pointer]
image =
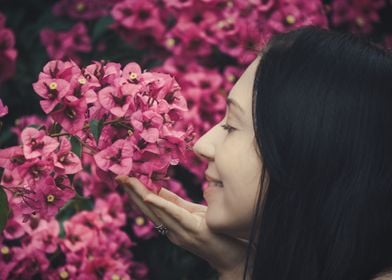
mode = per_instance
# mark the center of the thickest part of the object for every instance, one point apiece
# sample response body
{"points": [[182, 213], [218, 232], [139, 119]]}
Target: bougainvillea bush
{"points": [[94, 89]]}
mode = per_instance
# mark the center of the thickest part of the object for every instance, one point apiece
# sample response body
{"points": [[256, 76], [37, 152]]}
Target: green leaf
{"points": [[76, 146], [55, 128], [4, 209], [96, 129], [101, 26], [76, 204]]}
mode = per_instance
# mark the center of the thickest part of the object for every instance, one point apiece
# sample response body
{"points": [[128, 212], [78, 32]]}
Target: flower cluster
{"points": [[83, 9], [8, 53], [125, 119], [113, 121], [196, 28], [356, 16], [36, 174], [66, 44], [92, 246]]}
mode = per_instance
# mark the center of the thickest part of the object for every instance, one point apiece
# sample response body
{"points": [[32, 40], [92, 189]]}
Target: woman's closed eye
{"points": [[228, 128]]}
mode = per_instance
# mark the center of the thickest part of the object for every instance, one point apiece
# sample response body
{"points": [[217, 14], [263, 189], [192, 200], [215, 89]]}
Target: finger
{"points": [[190, 206], [133, 184], [175, 229], [170, 213], [139, 202], [144, 207]]}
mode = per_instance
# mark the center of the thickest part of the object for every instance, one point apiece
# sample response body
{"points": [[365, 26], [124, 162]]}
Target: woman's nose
{"points": [[204, 149]]}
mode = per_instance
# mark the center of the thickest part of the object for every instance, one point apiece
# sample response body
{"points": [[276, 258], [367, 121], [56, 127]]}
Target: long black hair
{"points": [[323, 125]]}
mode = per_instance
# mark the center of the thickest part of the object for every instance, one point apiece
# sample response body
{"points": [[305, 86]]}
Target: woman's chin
{"points": [[219, 224], [215, 221]]}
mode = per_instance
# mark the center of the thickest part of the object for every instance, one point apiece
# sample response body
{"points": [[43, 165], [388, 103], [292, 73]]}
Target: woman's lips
{"points": [[213, 187], [213, 182]]}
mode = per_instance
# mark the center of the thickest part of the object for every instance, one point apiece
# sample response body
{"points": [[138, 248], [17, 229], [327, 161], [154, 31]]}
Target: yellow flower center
{"points": [[82, 81], [64, 274], [80, 7], [290, 19], [170, 42], [50, 198], [132, 76], [231, 77], [139, 221], [221, 24], [116, 277], [5, 250], [53, 85]]}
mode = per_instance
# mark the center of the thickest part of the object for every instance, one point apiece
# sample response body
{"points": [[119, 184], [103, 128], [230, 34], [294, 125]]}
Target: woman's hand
{"points": [[187, 227]]}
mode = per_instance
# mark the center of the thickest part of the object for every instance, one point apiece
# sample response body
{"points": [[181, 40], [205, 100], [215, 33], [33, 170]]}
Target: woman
{"points": [[299, 169]]}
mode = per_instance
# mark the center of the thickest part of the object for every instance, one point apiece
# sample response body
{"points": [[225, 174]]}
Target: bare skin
{"points": [[187, 227]]}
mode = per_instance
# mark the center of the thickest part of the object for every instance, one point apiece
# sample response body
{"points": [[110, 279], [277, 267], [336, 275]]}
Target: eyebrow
{"points": [[232, 101]]}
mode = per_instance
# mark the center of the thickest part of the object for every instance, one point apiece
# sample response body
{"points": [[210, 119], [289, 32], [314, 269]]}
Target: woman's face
{"points": [[234, 167]]}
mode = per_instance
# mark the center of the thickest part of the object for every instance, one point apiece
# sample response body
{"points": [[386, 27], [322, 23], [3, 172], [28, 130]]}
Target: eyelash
{"points": [[228, 128]]}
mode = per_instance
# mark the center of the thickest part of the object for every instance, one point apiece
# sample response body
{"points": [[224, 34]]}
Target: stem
{"points": [[88, 146], [86, 126]]}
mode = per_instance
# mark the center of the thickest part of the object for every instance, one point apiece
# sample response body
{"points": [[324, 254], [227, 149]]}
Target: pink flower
{"points": [[27, 263], [79, 37], [108, 268], [34, 170], [91, 220], [67, 270], [358, 16], [148, 124], [263, 6], [135, 14], [180, 4], [114, 100], [76, 236], [52, 90], [142, 227], [66, 162], [45, 236], [11, 179], [3, 109], [8, 52], [13, 229], [83, 9], [36, 143], [57, 69], [117, 158], [51, 197], [28, 120], [139, 270], [71, 115], [65, 44], [12, 157], [111, 209], [388, 41], [56, 45], [206, 80], [132, 72], [188, 39]]}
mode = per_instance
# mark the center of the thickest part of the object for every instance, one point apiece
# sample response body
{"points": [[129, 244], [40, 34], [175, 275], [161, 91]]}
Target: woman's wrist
{"points": [[235, 273]]}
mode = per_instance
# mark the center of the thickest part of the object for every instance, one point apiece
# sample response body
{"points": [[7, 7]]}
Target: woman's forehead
{"points": [[243, 88]]}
